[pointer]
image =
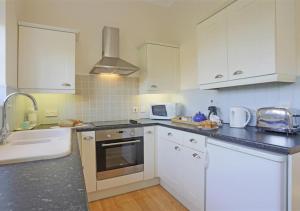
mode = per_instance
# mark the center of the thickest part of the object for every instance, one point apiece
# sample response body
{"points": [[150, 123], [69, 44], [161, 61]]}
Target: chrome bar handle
{"points": [[193, 141], [177, 148], [88, 138], [238, 72], [195, 155], [66, 84], [121, 143], [219, 76]]}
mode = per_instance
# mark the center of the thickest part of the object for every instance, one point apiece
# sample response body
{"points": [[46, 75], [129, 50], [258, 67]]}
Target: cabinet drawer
{"points": [[194, 141], [171, 135]]}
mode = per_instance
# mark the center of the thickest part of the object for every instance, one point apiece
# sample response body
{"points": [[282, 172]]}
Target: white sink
{"points": [[34, 145]]}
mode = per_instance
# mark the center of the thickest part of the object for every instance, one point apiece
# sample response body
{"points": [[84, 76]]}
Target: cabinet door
{"points": [[212, 49], [170, 166], [46, 59], [88, 158], [251, 38], [194, 176], [149, 152], [239, 178], [162, 68]]}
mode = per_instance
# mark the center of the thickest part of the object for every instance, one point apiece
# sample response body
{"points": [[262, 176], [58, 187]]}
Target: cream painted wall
{"points": [[8, 53], [9, 12], [184, 27], [137, 21], [298, 34], [13, 9], [2, 44]]}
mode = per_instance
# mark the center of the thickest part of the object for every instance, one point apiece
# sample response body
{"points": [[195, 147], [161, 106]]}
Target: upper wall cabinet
{"points": [[249, 42], [46, 59], [159, 68], [212, 53]]}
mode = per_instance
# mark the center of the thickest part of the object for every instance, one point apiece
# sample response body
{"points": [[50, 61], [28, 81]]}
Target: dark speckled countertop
{"points": [[249, 136], [55, 184]]}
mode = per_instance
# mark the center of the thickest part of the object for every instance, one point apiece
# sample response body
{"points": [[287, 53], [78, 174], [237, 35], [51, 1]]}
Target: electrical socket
{"points": [[135, 109], [143, 109], [51, 113]]}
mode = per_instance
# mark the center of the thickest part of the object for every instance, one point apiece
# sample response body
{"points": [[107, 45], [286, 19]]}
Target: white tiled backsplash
{"points": [[98, 98], [252, 97]]}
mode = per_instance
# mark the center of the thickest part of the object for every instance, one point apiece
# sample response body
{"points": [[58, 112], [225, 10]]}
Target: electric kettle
{"points": [[239, 117]]}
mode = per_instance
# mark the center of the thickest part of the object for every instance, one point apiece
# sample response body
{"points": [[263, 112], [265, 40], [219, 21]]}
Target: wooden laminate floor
{"points": [[149, 199]]}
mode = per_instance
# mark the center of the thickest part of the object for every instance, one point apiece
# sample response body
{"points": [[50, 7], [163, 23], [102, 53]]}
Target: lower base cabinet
{"points": [[181, 171], [194, 174], [88, 159], [170, 169]]}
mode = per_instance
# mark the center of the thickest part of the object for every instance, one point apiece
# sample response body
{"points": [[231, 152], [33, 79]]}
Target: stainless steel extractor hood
{"points": [[110, 62]]}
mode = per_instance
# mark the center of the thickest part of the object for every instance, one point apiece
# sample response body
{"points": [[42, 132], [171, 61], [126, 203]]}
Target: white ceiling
{"points": [[162, 3]]}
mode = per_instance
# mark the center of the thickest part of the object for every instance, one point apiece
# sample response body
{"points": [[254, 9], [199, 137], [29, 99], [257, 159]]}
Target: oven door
{"points": [[119, 157]]}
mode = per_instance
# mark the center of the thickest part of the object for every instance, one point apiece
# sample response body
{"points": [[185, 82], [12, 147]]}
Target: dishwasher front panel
{"points": [[237, 180]]}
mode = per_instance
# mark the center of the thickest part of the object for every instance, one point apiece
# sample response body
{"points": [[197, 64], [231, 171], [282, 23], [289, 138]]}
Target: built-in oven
{"points": [[119, 152]]}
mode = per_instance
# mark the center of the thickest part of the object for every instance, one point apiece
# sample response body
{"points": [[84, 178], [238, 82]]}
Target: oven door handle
{"points": [[121, 143]]}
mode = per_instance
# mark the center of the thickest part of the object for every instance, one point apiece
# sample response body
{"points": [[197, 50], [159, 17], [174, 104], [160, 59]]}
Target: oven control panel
{"points": [[121, 133]]}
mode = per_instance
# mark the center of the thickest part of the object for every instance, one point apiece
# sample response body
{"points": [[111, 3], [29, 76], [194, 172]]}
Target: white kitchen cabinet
{"points": [[260, 44], [251, 38], [149, 152], [170, 134], [212, 53], [159, 65], [170, 167], [181, 166], [193, 181], [239, 178], [88, 159], [46, 59]]}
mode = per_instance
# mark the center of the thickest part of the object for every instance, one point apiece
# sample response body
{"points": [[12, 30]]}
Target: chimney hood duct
{"points": [[110, 62]]}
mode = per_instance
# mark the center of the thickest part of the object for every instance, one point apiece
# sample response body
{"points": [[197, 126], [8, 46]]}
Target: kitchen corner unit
{"points": [[209, 170]]}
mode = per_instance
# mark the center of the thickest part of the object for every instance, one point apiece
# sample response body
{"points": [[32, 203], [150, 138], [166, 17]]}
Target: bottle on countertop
{"points": [[213, 115], [32, 117]]}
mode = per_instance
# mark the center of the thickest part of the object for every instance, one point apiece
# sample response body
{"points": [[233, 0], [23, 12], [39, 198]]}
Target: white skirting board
{"points": [[122, 189]]}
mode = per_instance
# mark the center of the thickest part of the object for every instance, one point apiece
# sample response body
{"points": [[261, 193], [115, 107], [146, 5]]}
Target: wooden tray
{"points": [[191, 122], [207, 128], [188, 122]]}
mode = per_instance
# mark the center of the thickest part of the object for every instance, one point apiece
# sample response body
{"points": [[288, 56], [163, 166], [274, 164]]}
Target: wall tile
{"points": [[97, 99], [252, 97]]}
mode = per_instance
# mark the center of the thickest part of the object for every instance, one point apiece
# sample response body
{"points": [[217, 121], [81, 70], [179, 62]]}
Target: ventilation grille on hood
{"points": [[110, 62]]}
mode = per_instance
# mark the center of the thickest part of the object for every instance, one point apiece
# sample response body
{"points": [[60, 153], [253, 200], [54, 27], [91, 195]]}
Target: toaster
{"points": [[284, 120]]}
